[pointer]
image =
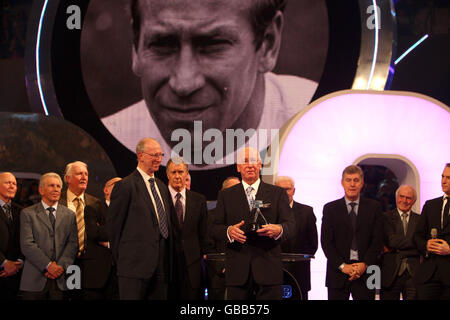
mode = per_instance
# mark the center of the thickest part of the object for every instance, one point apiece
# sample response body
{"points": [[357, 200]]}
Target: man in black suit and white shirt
{"points": [[253, 259], [433, 274], [48, 238], [94, 258], [11, 259], [305, 239], [190, 231], [351, 239], [401, 257], [141, 230]]}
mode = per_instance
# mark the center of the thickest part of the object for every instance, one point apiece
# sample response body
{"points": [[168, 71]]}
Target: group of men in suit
{"points": [[415, 253], [63, 229], [157, 235]]}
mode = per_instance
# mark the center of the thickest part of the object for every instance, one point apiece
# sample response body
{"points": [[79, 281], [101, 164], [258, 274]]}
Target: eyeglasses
{"points": [[154, 155]]}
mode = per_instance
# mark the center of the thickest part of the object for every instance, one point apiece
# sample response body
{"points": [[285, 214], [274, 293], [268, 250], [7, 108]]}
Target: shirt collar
{"points": [[145, 175], [2, 203], [71, 196], [255, 185], [47, 206], [400, 212], [347, 202], [174, 192]]}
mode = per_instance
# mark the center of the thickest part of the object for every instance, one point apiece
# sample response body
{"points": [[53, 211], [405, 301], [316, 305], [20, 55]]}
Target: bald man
{"points": [[253, 257], [140, 228], [11, 258]]}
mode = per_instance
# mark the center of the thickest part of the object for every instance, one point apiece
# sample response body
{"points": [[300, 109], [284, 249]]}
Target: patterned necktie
{"points": [[179, 209], [80, 224], [405, 222], [163, 228], [51, 217], [251, 200], [7, 209], [352, 215]]}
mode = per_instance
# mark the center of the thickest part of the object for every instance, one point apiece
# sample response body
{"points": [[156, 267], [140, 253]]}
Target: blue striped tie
{"points": [[161, 212]]}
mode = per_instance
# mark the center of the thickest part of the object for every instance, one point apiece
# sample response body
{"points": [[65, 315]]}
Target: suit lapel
{"points": [[142, 188], [411, 225], [344, 214], [41, 214]]}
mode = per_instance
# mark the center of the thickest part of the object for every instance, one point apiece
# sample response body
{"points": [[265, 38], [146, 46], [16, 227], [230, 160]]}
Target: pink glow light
{"points": [[334, 132]]}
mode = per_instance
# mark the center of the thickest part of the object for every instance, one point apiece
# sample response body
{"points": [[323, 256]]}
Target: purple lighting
{"points": [[336, 131]]}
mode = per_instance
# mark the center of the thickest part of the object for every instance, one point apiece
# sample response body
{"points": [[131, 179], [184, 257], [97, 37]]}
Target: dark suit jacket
{"points": [[38, 240], [260, 255], [400, 246], [431, 218], [191, 239], [9, 236], [305, 240], [133, 227], [96, 261], [337, 234]]}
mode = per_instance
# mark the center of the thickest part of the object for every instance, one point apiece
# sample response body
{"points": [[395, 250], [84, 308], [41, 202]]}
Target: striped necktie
{"points": [[163, 228], [80, 224]]}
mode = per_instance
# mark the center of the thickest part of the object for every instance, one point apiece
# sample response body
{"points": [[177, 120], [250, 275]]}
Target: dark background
{"points": [[426, 70]]}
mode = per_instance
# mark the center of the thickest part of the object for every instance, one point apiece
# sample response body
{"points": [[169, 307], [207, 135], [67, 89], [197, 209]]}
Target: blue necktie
{"points": [[163, 228]]}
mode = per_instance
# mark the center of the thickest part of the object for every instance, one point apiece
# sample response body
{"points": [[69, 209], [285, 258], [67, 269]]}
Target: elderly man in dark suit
{"points": [[48, 238], [11, 261], [253, 253], [190, 231], [401, 257], [351, 239], [305, 239], [433, 275], [141, 230], [94, 258]]}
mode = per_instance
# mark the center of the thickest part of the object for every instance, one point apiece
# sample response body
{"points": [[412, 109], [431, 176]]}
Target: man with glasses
{"points": [[140, 228]]}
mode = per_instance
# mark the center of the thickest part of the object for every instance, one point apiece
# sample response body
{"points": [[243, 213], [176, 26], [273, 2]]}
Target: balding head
{"points": [[8, 186]]}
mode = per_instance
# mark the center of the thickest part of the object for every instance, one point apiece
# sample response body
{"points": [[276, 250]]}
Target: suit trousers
{"points": [[154, 288], [434, 289], [357, 288], [51, 292], [403, 284], [251, 290], [9, 287]]}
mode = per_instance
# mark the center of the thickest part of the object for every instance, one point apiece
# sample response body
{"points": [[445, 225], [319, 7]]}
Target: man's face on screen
{"points": [[197, 61]]}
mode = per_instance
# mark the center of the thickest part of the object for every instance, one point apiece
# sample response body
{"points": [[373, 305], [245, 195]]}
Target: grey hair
{"points": [[48, 175]]}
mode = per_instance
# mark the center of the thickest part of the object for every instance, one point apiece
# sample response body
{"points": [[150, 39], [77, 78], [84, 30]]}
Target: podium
{"points": [[291, 286]]}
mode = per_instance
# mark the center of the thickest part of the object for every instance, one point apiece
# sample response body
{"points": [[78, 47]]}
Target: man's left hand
{"points": [[439, 246], [270, 230]]}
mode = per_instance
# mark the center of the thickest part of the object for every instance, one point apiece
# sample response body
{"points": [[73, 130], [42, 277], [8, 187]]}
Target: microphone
{"points": [[433, 234]]}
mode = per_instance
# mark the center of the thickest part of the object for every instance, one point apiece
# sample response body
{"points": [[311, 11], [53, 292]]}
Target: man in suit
{"points": [[305, 238], [48, 238], [351, 239], [141, 230], [190, 228], [432, 275], [401, 257], [94, 258], [253, 253], [11, 262]]}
